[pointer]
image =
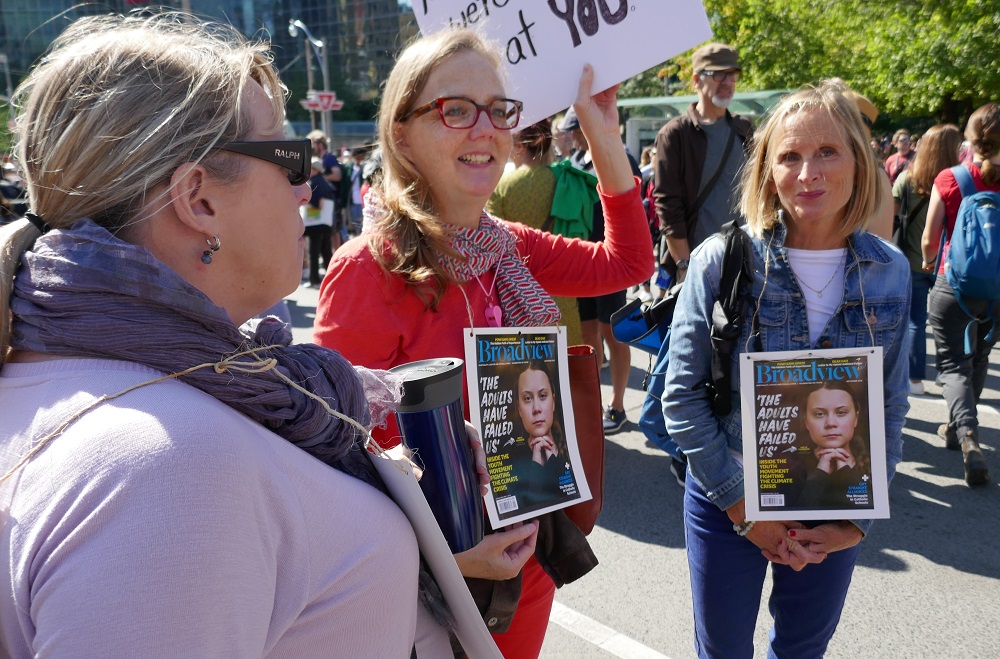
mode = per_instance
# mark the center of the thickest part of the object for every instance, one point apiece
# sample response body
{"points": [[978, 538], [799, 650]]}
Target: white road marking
{"points": [[982, 407], [600, 635]]}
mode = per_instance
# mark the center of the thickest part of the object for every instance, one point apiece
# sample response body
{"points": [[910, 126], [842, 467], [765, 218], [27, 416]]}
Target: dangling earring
{"points": [[206, 257]]}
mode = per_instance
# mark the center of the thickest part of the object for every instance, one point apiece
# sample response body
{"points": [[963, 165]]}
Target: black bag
{"points": [[646, 326], [901, 223]]}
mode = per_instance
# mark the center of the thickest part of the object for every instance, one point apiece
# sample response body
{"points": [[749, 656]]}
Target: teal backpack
{"points": [[973, 264]]}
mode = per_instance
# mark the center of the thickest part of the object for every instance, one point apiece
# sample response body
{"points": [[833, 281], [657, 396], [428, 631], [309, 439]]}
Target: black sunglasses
{"points": [[293, 155]]}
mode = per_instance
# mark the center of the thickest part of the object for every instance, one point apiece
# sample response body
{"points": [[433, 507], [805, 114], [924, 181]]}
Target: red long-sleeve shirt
{"points": [[375, 320]]}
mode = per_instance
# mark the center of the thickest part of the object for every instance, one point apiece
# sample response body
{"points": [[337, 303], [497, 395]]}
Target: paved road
{"points": [[927, 583]]}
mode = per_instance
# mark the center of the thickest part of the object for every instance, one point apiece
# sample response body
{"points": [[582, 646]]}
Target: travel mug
{"points": [[432, 423]]}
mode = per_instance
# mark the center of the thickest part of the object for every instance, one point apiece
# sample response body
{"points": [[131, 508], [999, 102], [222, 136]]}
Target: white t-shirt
{"points": [[165, 524], [821, 277]]}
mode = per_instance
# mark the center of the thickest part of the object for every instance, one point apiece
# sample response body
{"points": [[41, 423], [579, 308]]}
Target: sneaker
{"points": [[646, 295], [950, 437], [614, 420], [916, 387], [679, 469]]}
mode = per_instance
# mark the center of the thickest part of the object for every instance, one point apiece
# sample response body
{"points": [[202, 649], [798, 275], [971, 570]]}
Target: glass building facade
{"points": [[362, 36]]}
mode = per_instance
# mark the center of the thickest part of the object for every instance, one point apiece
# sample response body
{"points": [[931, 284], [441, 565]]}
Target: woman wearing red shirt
{"points": [[431, 262], [962, 375]]}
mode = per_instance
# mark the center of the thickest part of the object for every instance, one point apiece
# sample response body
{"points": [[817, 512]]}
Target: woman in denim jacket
{"points": [[820, 281]]}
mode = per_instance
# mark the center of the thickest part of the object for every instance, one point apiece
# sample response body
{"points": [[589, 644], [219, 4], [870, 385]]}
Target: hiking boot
{"points": [[976, 472], [614, 420], [950, 437]]}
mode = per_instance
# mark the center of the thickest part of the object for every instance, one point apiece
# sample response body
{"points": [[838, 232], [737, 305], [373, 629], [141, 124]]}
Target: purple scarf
{"points": [[82, 292]]}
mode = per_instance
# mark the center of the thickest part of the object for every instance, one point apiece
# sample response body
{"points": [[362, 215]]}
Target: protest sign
{"points": [[402, 484], [545, 43]]}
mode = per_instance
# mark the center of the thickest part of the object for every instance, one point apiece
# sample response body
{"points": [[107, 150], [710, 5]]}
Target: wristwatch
{"points": [[682, 264]]}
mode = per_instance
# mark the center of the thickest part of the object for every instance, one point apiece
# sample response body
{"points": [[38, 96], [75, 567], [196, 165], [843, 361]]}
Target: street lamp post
{"points": [[294, 25]]}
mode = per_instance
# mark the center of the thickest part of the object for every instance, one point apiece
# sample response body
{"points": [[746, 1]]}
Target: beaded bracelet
{"points": [[743, 527]]}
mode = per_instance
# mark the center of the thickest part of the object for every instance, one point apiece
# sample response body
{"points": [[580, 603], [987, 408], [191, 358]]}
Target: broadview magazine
{"points": [[520, 402], [814, 434]]}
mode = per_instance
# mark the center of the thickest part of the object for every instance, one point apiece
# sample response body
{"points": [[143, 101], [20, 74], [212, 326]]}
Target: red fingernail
{"points": [[791, 533]]}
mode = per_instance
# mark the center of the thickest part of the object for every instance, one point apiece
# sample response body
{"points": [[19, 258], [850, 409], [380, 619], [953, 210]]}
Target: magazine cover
{"points": [[519, 401], [814, 435]]}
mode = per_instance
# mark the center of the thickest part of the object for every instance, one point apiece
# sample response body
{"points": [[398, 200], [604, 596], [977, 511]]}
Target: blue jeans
{"points": [[922, 282], [727, 578]]}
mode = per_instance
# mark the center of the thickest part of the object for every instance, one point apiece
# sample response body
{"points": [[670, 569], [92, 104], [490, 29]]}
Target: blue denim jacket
{"points": [[872, 266]]}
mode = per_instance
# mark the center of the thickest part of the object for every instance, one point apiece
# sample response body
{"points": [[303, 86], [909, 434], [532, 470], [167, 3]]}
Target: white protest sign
{"points": [[547, 42]]}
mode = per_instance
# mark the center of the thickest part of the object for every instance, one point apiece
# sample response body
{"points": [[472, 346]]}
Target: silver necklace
{"points": [[819, 293]]}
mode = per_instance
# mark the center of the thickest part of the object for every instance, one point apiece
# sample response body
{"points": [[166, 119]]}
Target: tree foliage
{"points": [[5, 137], [910, 57]]}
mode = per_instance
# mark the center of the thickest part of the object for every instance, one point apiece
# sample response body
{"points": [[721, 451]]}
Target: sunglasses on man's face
{"points": [[293, 155]]}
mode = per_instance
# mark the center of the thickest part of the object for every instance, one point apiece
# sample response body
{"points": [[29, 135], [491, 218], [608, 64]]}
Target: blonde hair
{"points": [[408, 234], [760, 206], [983, 133], [116, 105]]}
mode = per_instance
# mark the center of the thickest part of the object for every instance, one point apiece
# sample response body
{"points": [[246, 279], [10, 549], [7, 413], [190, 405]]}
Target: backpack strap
{"points": [[977, 321], [728, 313], [966, 184]]}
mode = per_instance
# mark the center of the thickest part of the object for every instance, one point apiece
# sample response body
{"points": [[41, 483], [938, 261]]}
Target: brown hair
{"points": [[536, 139], [115, 107], [408, 234], [938, 151], [760, 205], [983, 133]]}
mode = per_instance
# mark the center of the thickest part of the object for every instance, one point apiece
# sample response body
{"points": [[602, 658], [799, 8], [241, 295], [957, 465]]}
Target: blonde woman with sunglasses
{"points": [[169, 485]]}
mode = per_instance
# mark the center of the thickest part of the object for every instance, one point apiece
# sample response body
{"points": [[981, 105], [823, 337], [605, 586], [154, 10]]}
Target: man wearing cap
{"points": [[698, 159], [696, 168]]}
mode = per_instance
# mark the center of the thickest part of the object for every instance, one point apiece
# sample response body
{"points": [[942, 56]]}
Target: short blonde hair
{"points": [[409, 228], [760, 206], [116, 105]]}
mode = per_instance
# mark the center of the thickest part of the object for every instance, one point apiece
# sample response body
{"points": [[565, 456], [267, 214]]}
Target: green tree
{"points": [[5, 137], [651, 82], [910, 57]]}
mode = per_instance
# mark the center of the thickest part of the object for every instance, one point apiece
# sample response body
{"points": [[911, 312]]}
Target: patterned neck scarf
{"points": [[489, 246], [492, 245]]}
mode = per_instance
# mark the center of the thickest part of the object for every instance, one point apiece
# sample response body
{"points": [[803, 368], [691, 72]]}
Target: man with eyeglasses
{"points": [[696, 168], [897, 162]]}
